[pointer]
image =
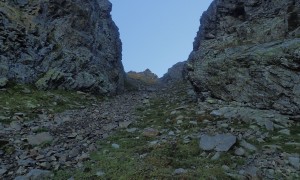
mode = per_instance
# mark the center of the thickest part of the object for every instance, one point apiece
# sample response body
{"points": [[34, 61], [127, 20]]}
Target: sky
{"points": [[156, 34]]}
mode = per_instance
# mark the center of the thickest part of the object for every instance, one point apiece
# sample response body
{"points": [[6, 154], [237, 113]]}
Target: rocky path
{"points": [[52, 142], [162, 134]]}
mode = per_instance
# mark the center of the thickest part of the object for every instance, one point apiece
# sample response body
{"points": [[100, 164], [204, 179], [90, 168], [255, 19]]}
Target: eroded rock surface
{"points": [[249, 52], [61, 44]]}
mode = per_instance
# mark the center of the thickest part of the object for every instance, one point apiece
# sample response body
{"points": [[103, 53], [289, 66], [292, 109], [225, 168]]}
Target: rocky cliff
{"points": [[248, 51], [65, 44], [175, 73]]}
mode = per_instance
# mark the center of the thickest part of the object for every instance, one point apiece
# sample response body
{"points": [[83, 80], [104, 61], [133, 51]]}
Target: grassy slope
{"points": [[137, 159], [15, 99]]}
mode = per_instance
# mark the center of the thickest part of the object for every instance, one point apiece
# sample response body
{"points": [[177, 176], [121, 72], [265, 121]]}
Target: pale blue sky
{"points": [[157, 33]]}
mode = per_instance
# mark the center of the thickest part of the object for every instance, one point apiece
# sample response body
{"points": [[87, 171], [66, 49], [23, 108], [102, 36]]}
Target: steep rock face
{"points": [[175, 73], [249, 51], [66, 44]]}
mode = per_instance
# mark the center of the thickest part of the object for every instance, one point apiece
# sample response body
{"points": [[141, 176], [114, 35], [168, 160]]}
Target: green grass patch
{"points": [[31, 101], [285, 141], [136, 159]]}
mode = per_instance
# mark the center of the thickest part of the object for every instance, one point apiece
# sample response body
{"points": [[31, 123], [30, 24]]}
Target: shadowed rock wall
{"points": [[249, 51], [65, 44]]}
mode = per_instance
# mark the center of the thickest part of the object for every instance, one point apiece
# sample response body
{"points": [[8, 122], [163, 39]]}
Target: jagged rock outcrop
{"points": [[145, 80], [175, 73], [66, 44], [248, 51], [146, 76]]}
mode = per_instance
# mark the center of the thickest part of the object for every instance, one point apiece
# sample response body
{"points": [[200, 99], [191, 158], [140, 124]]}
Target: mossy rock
{"points": [[50, 80], [31, 101]]}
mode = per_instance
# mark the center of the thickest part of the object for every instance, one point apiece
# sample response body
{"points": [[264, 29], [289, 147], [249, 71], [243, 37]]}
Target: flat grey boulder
{"points": [[150, 132], [124, 124], [295, 162], [35, 174], [38, 174], [219, 142], [39, 138]]}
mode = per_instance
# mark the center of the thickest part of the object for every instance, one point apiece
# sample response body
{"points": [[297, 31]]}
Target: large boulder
{"points": [[65, 44], [219, 142], [248, 51]]}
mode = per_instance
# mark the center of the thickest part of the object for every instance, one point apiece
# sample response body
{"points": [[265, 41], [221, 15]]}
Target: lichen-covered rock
{"points": [[249, 51], [50, 79], [66, 44]]}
